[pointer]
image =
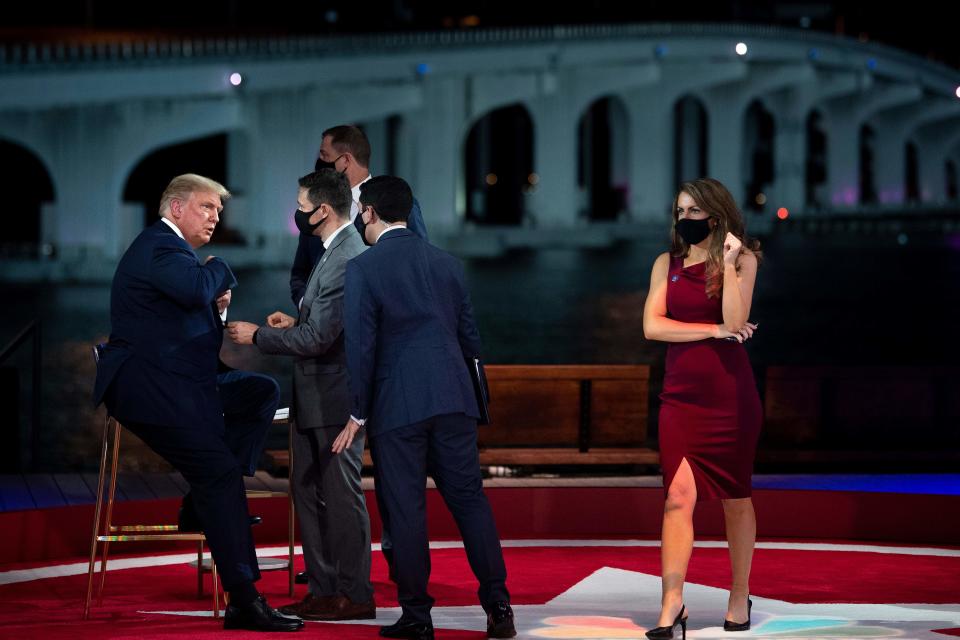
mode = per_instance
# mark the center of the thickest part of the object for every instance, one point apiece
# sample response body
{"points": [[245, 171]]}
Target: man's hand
{"points": [[280, 320], [241, 332], [223, 301], [345, 439]]}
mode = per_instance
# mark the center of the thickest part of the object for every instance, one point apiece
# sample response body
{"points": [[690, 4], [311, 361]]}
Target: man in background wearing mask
{"points": [[334, 523], [346, 149]]}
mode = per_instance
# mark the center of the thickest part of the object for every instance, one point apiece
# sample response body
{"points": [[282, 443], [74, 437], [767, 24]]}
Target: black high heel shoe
{"points": [[739, 626], [666, 633]]}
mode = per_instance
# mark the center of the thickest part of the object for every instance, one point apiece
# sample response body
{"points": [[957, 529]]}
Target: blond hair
{"points": [[181, 187]]}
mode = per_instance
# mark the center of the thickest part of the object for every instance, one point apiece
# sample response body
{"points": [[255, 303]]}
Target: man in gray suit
{"points": [[330, 504]]}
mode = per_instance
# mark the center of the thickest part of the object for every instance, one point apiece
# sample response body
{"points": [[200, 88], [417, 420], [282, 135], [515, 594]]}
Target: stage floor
{"points": [[596, 589]]}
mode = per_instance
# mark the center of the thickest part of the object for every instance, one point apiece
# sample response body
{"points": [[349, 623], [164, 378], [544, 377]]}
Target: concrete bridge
{"points": [[531, 132]]}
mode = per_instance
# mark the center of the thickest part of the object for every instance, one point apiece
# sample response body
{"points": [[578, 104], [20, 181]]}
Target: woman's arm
{"points": [[737, 285], [656, 324]]}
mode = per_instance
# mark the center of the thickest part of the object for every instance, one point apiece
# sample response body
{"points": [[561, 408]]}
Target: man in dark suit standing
{"points": [[409, 329], [158, 376], [331, 507]]}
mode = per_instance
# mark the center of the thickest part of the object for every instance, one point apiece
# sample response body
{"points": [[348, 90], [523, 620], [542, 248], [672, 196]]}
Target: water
{"points": [[818, 300]]}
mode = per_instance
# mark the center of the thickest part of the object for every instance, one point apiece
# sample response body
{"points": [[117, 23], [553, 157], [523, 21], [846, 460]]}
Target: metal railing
{"points": [[31, 330]]}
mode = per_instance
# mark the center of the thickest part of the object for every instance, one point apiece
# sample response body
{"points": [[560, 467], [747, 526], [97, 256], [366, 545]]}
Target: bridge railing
{"points": [[30, 56]]}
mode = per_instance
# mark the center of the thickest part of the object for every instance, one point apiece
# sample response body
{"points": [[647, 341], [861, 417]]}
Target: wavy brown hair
{"points": [[717, 201]]}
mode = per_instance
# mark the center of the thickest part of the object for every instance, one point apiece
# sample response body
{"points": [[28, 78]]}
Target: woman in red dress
{"points": [[710, 415]]}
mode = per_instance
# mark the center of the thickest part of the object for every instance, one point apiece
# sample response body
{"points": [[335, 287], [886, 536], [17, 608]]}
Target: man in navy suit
{"points": [[159, 377], [409, 327]]}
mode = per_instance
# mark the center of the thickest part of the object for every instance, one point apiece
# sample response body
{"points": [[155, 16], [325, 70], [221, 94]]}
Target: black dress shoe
{"points": [[302, 578], [259, 616], [500, 621], [408, 629]]}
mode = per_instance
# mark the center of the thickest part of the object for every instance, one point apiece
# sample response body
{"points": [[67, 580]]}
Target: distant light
{"points": [[470, 21], [958, 92], [533, 178], [423, 69], [491, 179], [331, 16], [782, 213], [813, 53], [805, 22], [872, 64], [741, 49], [902, 239], [660, 50], [236, 79], [761, 199]]}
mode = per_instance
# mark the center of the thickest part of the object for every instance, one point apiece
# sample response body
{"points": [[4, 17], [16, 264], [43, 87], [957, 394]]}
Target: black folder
{"points": [[480, 389]]}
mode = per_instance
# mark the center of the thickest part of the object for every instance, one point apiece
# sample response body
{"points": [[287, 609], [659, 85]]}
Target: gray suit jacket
{"points": [[320, 382]]}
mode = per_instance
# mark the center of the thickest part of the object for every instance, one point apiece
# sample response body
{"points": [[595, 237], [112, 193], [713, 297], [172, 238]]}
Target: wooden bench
{"points": [[545, 415], [567, 415]]}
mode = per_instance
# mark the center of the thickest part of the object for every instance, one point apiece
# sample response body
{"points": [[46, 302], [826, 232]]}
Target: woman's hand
{"points": [[731, 249], [742, 335]]}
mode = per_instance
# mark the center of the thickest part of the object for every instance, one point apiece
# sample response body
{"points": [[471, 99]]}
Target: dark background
{"points": [[923, 27]]}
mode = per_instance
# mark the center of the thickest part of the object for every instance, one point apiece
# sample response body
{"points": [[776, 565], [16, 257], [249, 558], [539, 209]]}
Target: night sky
{"points": [[922, 26]]}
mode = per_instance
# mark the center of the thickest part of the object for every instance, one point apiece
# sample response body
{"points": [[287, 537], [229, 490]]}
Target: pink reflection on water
{"points": [[846, 195]]}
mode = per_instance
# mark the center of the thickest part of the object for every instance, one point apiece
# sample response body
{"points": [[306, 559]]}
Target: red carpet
{"points": [[791, 578], [550, 512]]}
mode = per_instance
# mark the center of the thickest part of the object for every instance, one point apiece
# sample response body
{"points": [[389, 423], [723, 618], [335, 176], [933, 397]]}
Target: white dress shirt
{"points": [[355, 192]]}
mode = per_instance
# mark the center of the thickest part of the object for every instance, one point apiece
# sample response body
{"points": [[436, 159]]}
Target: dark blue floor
{"points": [[943, 484]]}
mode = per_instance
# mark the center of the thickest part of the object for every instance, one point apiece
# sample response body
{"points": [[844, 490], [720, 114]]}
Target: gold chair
{"points": [[105, 531], [131, 532]]}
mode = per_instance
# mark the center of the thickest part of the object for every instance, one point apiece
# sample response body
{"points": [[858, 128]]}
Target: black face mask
{"points": [[693, 231], [323, 164], [302, 219], [362, 226]]}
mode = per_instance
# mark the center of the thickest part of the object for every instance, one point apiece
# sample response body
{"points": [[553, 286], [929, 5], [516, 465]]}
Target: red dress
{"points": [[710, 411]]}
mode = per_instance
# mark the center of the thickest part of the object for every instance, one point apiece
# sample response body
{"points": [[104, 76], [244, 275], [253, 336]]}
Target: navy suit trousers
{"points": [[444, 446], [213, 464]]}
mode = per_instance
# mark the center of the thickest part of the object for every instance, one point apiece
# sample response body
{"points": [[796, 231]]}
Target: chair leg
{"points": [[200, 568], [96, 518], [291, 512], [214, 586], [110, 499]]}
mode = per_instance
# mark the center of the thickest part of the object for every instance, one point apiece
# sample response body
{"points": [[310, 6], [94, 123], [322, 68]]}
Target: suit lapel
{"points": [[315, 273]]}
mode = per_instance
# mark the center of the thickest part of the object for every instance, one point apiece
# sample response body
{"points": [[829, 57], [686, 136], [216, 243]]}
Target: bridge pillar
{"points": [[844, 117]]}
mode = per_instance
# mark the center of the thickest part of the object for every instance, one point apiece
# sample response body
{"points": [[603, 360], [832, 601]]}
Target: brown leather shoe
{"points": [[343, 609], [310, 604]]}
